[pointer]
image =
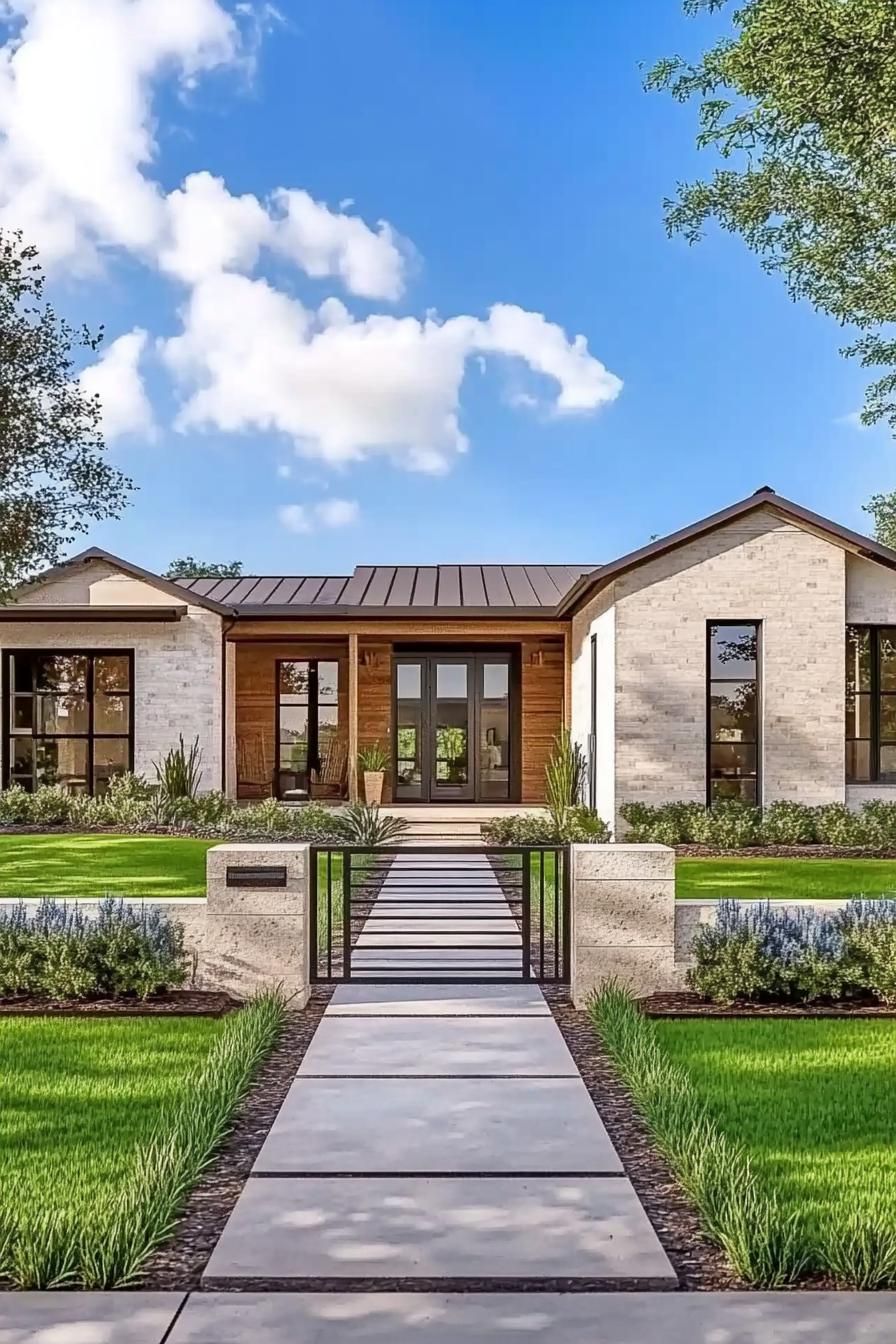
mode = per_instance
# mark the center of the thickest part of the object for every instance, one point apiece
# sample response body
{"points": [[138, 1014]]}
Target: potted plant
{"points": [[372, 762]]}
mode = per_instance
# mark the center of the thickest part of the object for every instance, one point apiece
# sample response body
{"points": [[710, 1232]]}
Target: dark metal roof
{"points": [[388, 589]]}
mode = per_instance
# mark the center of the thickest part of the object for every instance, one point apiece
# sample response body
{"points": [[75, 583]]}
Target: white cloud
{"points": [[77, 148], [284, 471], [324, 243], [325, 513], [75, 115], [115, 378], [249, 357]]}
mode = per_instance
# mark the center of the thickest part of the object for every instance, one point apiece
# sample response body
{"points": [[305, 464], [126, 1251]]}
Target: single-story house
{"points": [[749, 655]]}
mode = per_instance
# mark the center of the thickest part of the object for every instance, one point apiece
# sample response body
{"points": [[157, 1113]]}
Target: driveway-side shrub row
{"points": [[735, 825], [765, 1246], [102, 1242], [57, 951], [757, 951]]}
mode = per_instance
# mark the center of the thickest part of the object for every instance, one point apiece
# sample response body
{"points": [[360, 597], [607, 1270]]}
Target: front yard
{"points": [[813, 1103], [774, 879], [105, 1125], [97, 865]]}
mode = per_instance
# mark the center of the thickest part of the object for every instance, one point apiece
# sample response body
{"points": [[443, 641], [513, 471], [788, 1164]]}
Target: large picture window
{"points": [[68, 718], [870, 704], [732, 728]]}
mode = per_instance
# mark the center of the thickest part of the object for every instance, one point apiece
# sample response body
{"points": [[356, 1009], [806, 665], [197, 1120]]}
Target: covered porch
{"points": [[466, 718]]}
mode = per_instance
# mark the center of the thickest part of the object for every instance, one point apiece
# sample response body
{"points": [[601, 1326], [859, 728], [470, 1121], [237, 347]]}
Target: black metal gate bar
{"points": [[359, 891]]}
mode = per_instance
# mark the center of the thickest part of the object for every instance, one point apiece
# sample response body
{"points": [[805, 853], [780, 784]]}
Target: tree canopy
{"points": [[189, 568], [800, 102], [54, 478]]}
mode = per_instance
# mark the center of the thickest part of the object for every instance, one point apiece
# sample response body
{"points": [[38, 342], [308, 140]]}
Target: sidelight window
{"points": [[733, 711]]}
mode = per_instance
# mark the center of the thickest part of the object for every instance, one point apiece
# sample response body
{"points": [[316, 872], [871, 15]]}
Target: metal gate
{"points": [[440, 913]]}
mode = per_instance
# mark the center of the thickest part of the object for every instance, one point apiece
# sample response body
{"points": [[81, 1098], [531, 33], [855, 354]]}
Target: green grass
{"points": [[783, 879], [100, 865], [104, 1128], [813, 1103]]}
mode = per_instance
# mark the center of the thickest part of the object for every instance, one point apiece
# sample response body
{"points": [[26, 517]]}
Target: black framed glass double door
{"points": [[455, 735]]}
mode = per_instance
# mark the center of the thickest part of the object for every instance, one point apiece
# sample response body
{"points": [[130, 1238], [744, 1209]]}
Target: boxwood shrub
{"points": [[58, 951], [735, 825], [756, 951]]}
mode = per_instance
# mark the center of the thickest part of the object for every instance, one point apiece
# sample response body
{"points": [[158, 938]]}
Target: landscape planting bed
{"points": [[692, 1005], [176, 1003]]}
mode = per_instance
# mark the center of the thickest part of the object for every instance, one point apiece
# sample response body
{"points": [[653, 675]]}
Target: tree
{"points": [[54, 479], [883, 510], [188, 568], [801, 103]]}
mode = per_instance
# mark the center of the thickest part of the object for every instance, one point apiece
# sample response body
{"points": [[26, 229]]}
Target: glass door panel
{"points": [[410, 728], [452, 775], [493, 706]]}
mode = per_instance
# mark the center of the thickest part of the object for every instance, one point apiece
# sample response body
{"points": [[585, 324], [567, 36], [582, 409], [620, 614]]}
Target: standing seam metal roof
{"points": [[379, 587]]}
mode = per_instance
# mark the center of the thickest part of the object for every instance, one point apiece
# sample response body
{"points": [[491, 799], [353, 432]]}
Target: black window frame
{"points": [[313, 706], [711, 625], [90, 736], [876, 695]]}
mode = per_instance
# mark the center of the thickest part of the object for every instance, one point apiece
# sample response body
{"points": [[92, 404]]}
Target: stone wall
{"points": [[244, 938], [177, 678], [627, 924]]}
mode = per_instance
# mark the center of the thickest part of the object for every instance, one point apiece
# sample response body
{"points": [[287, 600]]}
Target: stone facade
{"points": [[177, 664], [757, 568]]}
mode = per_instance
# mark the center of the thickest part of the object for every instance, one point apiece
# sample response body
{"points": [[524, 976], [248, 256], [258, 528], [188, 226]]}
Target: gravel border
{"points": [[700, 1265], [784, 852], [178, 1265], [691, 1005], [177, 1003]]}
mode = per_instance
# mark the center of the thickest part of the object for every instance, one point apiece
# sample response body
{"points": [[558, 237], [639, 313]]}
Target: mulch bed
{"points": [[691, 1005], [783, 852], [178, 1265], [699, 1264], [179, 1003]]}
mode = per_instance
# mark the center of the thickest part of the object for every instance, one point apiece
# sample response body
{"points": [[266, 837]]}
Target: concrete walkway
{"points": [[415, 1149]]}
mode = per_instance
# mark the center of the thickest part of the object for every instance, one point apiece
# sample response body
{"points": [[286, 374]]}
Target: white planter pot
{"points": [[373, 787]]}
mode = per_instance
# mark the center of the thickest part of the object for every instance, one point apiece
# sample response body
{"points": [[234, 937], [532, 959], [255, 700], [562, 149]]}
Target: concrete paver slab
{"points": [[523, 1318], [87, 1318], [500, 1125], [446, 1047], [455, 1000], [441, 1227]]}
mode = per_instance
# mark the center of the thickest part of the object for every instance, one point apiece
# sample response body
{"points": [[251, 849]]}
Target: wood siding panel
{"points": [[542, 712], [375, 700]]}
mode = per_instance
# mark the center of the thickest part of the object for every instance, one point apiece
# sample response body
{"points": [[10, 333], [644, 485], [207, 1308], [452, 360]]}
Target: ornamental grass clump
{"points": [[58, 951], [766, 1246], [756, 951], [97, 1233]]}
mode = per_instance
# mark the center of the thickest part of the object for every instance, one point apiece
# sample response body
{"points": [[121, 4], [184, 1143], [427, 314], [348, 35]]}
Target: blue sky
{"points": [[518, 161]]}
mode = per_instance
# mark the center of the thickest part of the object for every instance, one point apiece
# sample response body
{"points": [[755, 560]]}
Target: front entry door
{"points": [[453, 727]]}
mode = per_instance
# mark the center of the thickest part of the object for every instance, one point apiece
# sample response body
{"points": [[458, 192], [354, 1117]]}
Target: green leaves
{"points": [[801, 102]]}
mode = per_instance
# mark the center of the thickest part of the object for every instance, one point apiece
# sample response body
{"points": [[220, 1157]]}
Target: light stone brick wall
{"points": [[243, 939], [622, 908], [177, 678], [758, 568]]}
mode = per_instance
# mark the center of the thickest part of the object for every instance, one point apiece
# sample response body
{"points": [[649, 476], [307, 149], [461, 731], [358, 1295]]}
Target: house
{"points": [[749, 655]]}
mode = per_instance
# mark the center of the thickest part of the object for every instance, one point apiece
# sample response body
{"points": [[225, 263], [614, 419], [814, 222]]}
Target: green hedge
{"points": [[581, 826], [735, 825]]}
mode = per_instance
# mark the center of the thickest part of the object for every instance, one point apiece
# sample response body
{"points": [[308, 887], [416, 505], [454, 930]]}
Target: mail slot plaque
{"points": [[260, 875]]}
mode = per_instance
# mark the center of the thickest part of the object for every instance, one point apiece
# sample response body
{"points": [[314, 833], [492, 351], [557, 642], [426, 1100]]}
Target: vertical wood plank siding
{"points": [[542, 695]]}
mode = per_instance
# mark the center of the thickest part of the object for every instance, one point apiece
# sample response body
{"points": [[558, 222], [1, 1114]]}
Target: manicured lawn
{"points": [[102, 865], [76, 1098], [814, 1104], [783, 879]]}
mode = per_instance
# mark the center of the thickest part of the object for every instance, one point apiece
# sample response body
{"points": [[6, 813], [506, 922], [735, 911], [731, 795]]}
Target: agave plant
{"points": [[363, 825], [180, 771]]}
